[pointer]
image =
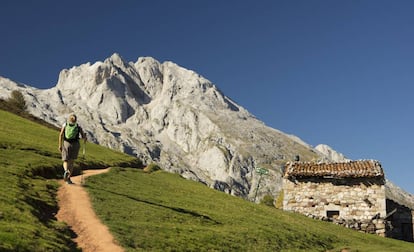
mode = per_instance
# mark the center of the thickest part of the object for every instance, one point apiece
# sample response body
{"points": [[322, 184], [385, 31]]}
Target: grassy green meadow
{"points": [[163, 212], [146, 211]]}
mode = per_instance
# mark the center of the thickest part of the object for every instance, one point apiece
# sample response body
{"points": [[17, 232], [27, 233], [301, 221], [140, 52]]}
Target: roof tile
{"points": [[351, 169]]}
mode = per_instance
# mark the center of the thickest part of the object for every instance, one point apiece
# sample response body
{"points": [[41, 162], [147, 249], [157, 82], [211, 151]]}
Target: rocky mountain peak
{"points": [[164, 113], [116, 60]]}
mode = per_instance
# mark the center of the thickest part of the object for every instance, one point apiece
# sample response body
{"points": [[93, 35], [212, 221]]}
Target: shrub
{"points": [[267, 200], [17, 100], [152, 168]]}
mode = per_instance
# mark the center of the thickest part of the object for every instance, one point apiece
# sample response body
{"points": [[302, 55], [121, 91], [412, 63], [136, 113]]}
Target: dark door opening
{"points": [[332, 214]]}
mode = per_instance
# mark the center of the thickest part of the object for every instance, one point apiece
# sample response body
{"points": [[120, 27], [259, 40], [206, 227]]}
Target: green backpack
{"points": [[71, 131]]}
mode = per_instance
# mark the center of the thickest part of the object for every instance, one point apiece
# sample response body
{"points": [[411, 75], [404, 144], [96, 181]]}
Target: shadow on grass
{"points": [[176, 209]]}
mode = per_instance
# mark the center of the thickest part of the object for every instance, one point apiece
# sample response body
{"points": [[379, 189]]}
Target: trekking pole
{"points": [[83, 156]]}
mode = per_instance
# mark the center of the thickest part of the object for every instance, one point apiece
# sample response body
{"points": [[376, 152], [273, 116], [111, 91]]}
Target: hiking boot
{"points": [[65, 176], [69, 182]]}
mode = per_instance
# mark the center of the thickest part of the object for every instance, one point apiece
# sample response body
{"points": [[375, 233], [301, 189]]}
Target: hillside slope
{"points": [[157, 211], [29, 159], [164, 212]]}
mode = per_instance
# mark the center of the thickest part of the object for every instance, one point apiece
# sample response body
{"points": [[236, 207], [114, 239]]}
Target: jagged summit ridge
{"points": [[165, 113]]}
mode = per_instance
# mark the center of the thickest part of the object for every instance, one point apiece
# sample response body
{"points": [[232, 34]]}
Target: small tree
{"points": [[152, 168], [268, 200], [17, 100]]}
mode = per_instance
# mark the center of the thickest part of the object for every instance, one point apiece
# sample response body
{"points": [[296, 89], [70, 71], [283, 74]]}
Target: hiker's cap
{"points": [[72, 118]]}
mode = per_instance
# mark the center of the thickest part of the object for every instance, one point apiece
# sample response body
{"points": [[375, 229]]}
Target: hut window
{"points": [[332, 214]]}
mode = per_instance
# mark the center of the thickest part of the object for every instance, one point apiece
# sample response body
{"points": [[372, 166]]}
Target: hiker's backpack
{"points": [[71, 132]]}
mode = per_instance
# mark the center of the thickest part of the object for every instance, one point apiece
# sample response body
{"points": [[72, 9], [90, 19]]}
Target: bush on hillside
{"points": [[152, 168], [267, 200], [9, 105], [17, 101]]}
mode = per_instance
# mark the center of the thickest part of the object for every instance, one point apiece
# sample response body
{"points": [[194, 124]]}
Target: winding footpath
{"points": [[76, 210]]}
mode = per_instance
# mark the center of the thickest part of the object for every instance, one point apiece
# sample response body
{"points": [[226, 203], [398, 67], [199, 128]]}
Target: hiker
{"points": [[69, 145]]}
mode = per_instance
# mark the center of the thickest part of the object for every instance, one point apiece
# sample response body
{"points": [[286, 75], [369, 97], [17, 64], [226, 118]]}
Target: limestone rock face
{"points": [[164, 113], [330, 153]]}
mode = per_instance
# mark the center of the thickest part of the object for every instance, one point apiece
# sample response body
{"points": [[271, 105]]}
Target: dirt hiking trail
{"points": [[76, 210]]}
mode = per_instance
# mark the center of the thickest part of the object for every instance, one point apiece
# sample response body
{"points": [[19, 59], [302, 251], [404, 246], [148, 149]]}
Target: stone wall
{"points": [[361, 199], [378, 226]]}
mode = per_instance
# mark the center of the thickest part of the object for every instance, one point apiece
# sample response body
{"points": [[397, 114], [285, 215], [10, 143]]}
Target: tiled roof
{"points": [[352, 169]]}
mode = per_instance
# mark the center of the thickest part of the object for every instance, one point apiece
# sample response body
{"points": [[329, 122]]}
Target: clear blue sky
{"points": [[328, 71]]}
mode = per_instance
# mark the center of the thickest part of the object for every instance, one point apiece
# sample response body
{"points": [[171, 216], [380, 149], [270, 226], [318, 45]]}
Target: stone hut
{"points": [[350, 193], [354, 194]]}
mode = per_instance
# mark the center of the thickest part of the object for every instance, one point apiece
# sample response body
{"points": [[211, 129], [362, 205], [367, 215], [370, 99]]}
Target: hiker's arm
{"points": [[61, 138]]}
